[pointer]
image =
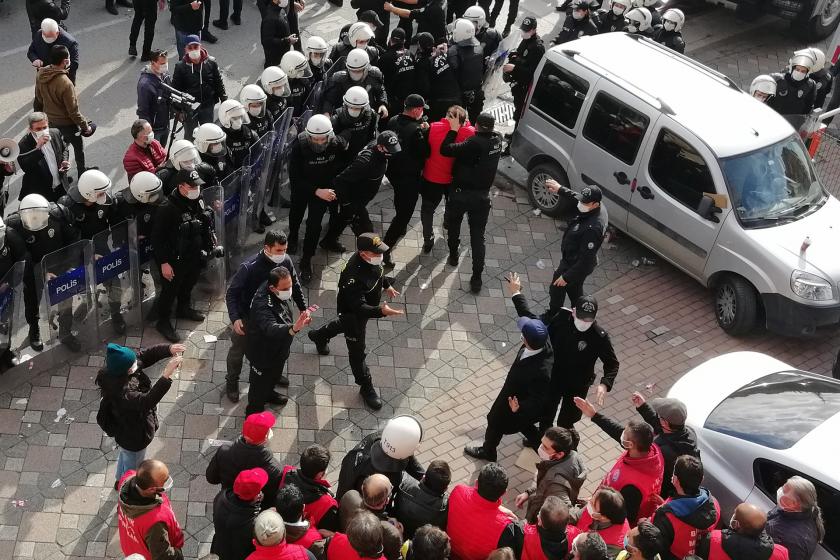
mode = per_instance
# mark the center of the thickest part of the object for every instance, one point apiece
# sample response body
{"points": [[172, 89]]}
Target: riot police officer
{"points": [[296, 67], [319, 62], [359, 35], [655, 18], [577, 26], [360, 288], [182, 156], [254, 99], [45, 227], [275, 84], [612, 19], [358, 72], [182, 240], [639, 22], [670, 33], [763, 87], [398, 72], [93, 210], [436, 80], [355, 122], [210, 141], [12, 250], [235, 122], [487, 37], [315, 159], [521, 66], [466, 58], [822, 77], [795, 91]]}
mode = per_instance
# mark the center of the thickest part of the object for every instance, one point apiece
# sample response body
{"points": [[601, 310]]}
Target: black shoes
{"points": [[132, 51], [72, 343], [292, 247], [387, 261], [322, 346], [278, 399], [208, 37], [236, 20], [112, 9], [125, 3], [428, 245], [232, 392], [332, 246], [453, 259], [283, 381], [532, 444], [220, 24], [305, 271], [478, 452], [475, 283], [146, 57], [370, 396], [35, 339], [164, 327], [189, 313]]}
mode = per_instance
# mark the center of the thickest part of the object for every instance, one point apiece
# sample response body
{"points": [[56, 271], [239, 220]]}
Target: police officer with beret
{"points": [[360, 289], [580, 245]]}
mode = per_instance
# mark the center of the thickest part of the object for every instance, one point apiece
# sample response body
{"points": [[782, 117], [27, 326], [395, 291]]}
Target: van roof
{"points": [[697, 97]]}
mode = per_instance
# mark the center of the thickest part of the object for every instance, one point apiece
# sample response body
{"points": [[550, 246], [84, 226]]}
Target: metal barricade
{"points": [[117, 280], [213, 277], [825, 149]]}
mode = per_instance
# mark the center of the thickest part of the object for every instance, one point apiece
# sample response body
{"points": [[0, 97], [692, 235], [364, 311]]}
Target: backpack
{"points": [[106, 418]]}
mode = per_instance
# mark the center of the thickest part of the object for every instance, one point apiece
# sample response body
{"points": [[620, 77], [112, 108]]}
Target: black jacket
{"points": [[529, 380], [398, 72], [581, 241], [239, 143], [357, 132], [408, 163], [268, 339], [360, 289], [185, 19], [202, 80], [738, 546], [367, 458], [489, 39], [233, 458], [38, 10], [609, 22], [529, 53], [671, 39], [59, 233], [340, 51], [467, 61], [436, 80], [698, 511], [416, 505], [310, 170], [576, 351], [182, 231], [221, 165], [340, 82], [575, 29], [672, 445], [431, 18], [792, 97], [250, 275], [274, 34], [91, 220], [40, 50], [795, 530], [233, 520], [12, 251], [359, 182], [144, 214], [37, 178], [153, 99], [476, 159], [312, 492], [823, 81], [133, 399]]}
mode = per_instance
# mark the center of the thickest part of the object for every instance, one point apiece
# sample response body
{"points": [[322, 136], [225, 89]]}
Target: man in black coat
{"points": [[43, 159], [188, 21], [38, 10], [197, 73], [249, 451], [275, 33], [234, 513], [45, 39], [524, 394]]}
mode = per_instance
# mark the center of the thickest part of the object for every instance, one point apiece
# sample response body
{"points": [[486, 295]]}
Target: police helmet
{"points": [[359, 31], [401, 437], [316, 45], [638, 19], [476, 15], [210, 139], [358, 64], [675, 16], [183, 155], [275, 82], [763, 84], [804, 57], [146, 187], [34, 212], [253, 95], [464, 30], [356, 98], [295, 65], [232, 114], [94, 186]]}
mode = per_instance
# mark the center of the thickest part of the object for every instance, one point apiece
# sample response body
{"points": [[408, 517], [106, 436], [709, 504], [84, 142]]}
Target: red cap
{"points": [[249, 484], [257, 426]]}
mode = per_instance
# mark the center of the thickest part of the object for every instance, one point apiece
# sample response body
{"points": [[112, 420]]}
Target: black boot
{"points": [[277, 399], [475, 283], [478, 452], [208, 37], [321, 345], [370, 396], [71, 342], [117, 321], [164, 327], [221, 24], [332, 245], [35, 338], [387, 260], [232, 391], [132, 50], [428, 245], [453, 258], [109, 5], [305, 271], [8, 360], [293, 245]]}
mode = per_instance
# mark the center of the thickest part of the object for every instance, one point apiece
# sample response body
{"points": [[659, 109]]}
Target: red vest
{"points": [[313, 511], [612, 535], [438, 168], [133, 530], [340, 549], [532, 546], [644, 473], [309, 537], [474, 524], [716, 549], [282, 551], [685, 535]]}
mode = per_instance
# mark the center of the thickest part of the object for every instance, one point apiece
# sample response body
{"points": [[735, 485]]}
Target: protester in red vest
{"points": [[298, 529], [684, 519], [362, 540], [643, 542], [270, 540], [605, 514], [476, 521], [551, 538], [147, 524], [637, 473], [320, 506], [745, 539]]}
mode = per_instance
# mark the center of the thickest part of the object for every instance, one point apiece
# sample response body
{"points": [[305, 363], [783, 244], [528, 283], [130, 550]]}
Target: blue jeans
{"points": [[128, 461], [181, 41]]}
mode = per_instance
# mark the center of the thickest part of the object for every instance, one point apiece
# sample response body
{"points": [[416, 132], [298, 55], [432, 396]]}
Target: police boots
{"points": [[369, 395], [117, 321], [35, 338]]}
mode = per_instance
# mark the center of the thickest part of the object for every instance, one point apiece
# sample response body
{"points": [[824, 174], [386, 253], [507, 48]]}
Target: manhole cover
{"points": [[503, 112]]}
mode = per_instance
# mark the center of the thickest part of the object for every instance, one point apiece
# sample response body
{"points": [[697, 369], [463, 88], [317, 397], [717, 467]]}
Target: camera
{"points": [[181, 101]]}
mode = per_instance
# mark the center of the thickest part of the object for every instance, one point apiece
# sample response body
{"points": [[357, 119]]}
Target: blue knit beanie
{"points": [[118, 359]]}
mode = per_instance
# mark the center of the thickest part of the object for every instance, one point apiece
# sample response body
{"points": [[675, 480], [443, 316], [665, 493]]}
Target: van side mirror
{"points": [[707, 209]]}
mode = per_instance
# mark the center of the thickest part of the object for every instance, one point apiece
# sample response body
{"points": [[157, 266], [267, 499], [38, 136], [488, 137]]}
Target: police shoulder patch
{"points": [[100, 213], [590, 245], [51, 232]]}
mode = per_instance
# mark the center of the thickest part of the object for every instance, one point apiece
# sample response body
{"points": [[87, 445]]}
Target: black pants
{"points": [[456, 8], [568, 414], [519, 95], [406, 191], [208, 7], [354, 330], [224, 9], [72, 135], [31, 308], [235, 356], [202, 115], [316, 209], [354, 214], [513, 9], [473, 102], [558, 293], [262, 382], [145, 11], [476, 205], [180, 288], [431, 194], [494, 432]]}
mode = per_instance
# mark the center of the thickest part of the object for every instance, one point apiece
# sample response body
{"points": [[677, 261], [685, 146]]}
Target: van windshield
{"points": [[773, 185]]}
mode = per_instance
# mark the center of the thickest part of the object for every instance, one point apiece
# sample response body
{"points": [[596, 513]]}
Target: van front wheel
{"points": [[736, 305], [547, 202]]}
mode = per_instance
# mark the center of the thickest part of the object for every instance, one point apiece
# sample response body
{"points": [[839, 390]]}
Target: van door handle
{"points": [[621, 177], [645, 192]]}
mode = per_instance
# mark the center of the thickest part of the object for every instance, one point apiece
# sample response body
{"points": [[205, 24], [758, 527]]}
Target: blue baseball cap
{"points": [[190, 39], [533, 331]]}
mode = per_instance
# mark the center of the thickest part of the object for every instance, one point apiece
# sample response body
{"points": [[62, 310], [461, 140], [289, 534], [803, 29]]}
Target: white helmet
{"points": [[253, 94], [210, 139], [464, 30], [649, 3], [356, 98], [638, 19], [232, 114], [401, 437], [804, 57], [295, 65], [359, 31], [183, 155], [94, 186], [34, 212], [357, 64], [619, 7], [763, 84], [476, 15], [316, 45], [675, 16], [275, 82], [146, 187], [319, 130], [820, 58]]}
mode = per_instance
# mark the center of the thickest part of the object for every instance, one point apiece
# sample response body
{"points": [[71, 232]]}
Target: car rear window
{"points": [[777, 410]]}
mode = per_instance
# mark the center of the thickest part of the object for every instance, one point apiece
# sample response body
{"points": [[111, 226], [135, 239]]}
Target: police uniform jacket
{"points": [[437, 80], [261, 125], [181, 231], [360, 288], [142, 213], [792, 97], [407, 164], [671, 39], [467, 61], [12, 251], [580, 245], [359, 182], [340, 51], [248, 278], [608, 22], [300, 88], [340, 82], [368, 458], [823, 81], [319, 73], [476, 159], [310, 170], [357, 132], [268, 340], [575, 29], [398, 72], [490, 39], [239, 143], [529, 53], [220, 164], [58, 234]]}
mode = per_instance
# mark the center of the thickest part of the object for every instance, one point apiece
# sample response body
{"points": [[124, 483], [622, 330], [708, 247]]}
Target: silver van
{"points": [[692, 167]]}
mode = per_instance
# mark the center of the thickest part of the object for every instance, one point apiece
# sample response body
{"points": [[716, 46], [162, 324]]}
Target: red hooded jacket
{"points": [[137, 159]]}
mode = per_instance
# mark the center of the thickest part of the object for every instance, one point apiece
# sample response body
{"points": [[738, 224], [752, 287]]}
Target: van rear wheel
{"points": [[736, 305], [551, 204]]}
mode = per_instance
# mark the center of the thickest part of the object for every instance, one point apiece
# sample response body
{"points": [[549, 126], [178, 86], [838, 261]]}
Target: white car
{"points": [[760, 421]]}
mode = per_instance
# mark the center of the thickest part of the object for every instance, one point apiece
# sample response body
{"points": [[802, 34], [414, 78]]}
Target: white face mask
{"points": [[42, 133], [164, 68], [236, 123], [669, 25], [195, 55], [49, 40], [544, 455], [582, 326], [583, 207], [578, 14], [354, 112], [284, 295], [618, 10], [276, 259], [283, 3], [216, 149], [798, 75], [375, 261], [193, 194], [316, 60], [255, 111]]}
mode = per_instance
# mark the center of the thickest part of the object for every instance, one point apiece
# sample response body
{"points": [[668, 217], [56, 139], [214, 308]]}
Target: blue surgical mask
{"points": [[627, 543]]}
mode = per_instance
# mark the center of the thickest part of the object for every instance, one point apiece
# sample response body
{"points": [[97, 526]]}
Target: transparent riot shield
{"points": [[235, 217], [494, 85], [279, 160], [149, 271], [258, 158], [13, 328], [213, 275], [313, 101], [117, 281], [67, 305], [283, 150]]}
